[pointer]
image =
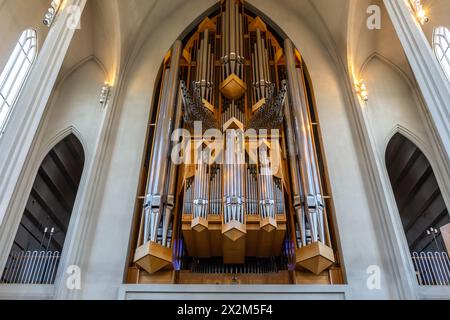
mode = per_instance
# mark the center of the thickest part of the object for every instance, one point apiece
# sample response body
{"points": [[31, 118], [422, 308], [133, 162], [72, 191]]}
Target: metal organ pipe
{"points": [[232, 39], [172, 185], [156, 199], [267, 200], [205, 67], [311, 181], [234, 175], [261, 73], [202, 180], [296, 177]]}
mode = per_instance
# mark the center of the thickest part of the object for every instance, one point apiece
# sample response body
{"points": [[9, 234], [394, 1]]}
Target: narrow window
{"points": [[441, 45], [15, 73]]}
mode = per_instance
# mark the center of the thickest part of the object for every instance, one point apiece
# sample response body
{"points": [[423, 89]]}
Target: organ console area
{"points": [[238, 194]]}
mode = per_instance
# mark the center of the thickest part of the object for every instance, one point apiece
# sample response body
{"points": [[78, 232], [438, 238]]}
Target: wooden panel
{"points": [[189, 240], [213, 243], [215, 235], [133, 275], [304, 277], [445, 232], [336, 276], [233, 251], [161, 277], [186, 277], [252, 236], [265, 243], [278, 240], [316, 257], [153, 257], [233, 87]]}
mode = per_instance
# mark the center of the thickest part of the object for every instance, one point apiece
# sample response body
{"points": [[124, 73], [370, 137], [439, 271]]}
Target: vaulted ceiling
{"points": [[113, 29]]}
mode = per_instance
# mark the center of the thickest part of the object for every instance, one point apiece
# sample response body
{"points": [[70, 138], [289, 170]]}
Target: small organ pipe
{"points": [[205, 67], [233, 43]]}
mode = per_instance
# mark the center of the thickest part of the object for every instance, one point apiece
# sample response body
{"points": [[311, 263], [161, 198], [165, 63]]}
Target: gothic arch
{"points": [[418, 197], [78, 66], [392, 65], [41, 233], [408, 134]]}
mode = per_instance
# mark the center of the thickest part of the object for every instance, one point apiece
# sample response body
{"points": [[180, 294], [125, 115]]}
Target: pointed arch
{"points": [[411, 136], [420, 203], [377, 55], [79, 65]]}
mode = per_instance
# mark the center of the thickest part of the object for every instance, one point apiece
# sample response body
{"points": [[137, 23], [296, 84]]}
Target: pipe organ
{"points": [[247, 197]]}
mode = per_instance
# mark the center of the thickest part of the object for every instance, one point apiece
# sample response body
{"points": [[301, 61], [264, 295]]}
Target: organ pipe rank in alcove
{"points": [[248, 199]]}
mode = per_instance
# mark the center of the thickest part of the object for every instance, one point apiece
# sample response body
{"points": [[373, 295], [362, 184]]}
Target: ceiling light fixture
{"points": [[51, 13], [106, 91], [361, 90], [419, 11]]}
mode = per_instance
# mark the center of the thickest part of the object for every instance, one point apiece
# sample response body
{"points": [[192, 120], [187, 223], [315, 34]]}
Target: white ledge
{"points": [[26, 292], [434, 293], [234, 292]]}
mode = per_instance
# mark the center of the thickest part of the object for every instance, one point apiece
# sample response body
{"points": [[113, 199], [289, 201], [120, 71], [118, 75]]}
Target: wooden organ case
{"points": [[246, 199]]}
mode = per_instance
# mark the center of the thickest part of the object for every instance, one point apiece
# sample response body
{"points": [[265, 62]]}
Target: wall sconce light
{"points": [[106, 91], [419, 11], [50, 15], [361, 90]]}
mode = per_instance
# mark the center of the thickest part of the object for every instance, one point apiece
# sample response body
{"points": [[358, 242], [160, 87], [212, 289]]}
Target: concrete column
{"points": [[445, 232], [430, 77], [32, 101]]}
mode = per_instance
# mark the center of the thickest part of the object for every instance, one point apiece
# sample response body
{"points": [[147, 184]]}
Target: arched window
{"points": [[15, 73], [441, 44]]}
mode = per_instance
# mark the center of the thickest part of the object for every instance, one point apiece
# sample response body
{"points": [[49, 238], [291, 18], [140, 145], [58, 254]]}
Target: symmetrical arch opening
{"points": [[15, 73], [40, 237], [234, 214], [441, 45], [422, 209]]}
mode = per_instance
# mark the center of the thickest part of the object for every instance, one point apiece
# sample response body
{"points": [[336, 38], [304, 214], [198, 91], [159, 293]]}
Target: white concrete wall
{"points": [[74, 108], [392, 103], [395, 106], [104, 245], [437, 11], [76, 104]]}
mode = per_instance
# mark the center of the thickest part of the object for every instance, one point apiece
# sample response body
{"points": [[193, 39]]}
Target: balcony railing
{"points": [[432, 268], [31, 267]]}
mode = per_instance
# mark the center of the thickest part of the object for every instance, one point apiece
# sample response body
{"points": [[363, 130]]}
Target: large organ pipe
{"points": [[172, 185], [156, 198], [234, 173], [308, 162], [295, 173]]}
